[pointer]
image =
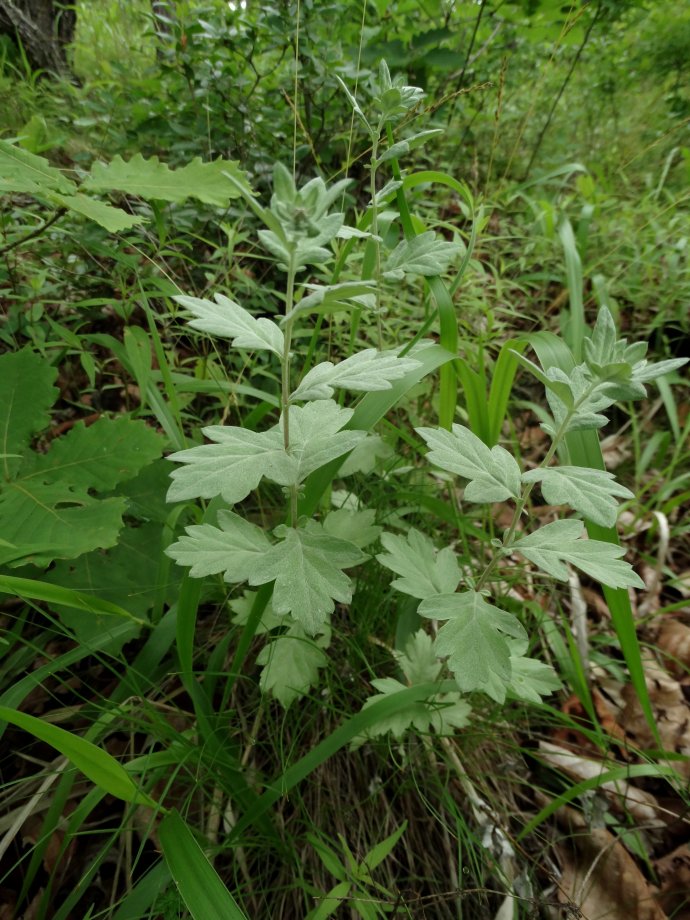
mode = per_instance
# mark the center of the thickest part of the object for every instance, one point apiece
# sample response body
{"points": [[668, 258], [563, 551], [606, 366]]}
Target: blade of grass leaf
{"points": [[199, 884]]}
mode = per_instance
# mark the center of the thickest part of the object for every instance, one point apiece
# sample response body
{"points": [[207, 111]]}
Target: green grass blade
{"points": [[625, 773], [56, 594], [95, 763], [501, 387], [584, 450], [474, 387], [199, 884]]}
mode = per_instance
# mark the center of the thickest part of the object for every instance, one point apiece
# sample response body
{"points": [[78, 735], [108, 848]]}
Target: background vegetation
{"points": [[560, 175]]}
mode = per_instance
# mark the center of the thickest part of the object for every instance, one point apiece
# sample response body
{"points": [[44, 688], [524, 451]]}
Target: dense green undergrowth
{"points": [[344, 460]]}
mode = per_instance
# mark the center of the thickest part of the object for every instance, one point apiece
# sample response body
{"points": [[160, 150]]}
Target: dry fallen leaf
{"points": [[600, 878], [624, 797], [673, 872]]}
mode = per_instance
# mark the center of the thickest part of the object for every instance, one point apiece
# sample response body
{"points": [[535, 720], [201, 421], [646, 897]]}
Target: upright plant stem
{"points": [[285, 378], [375, 233]]}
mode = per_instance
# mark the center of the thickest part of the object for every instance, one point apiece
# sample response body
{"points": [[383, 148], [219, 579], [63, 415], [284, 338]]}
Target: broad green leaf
{"points": [[45, 521], [229, 319], [200, 886], [368, 370], [151, 179], [26, 395], [231, 548], [424, 570], [112, 219], [291, 664], [21, 171], [356, 527], [126, 575], [97, 457], [474, 640], [425, 255], [307, 565], [591, 492], [554, 544], [493, 473], [240, 458], [95, 763]]}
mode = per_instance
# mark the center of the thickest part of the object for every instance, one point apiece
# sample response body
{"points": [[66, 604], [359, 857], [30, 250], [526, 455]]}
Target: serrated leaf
{"points": [[493, 473], [238, 460], [424, 570], [227, 318], [98, 457], [231, 548], [423, 255], [587, 490], [307, 566], [417, 660], [554, 544], [356, 527], [531, 679], [21, 171], [26, 395], [151, 179], [291, 664], [474, 640], [112, 219], [368, 370]]}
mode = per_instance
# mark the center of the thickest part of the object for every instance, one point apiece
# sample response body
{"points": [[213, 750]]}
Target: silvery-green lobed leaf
{"points": [[554, 544], [493, 473], [591, 492], [424, 255], [231, 548], [239, 459], [316, 437], [474, 640], [233, 466], [291, 664], [531, 679], [424, 570], [356, 527], [229, 319], [643, 372], [365, 371], [307, 566], [335, 296], [417, 660]]}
